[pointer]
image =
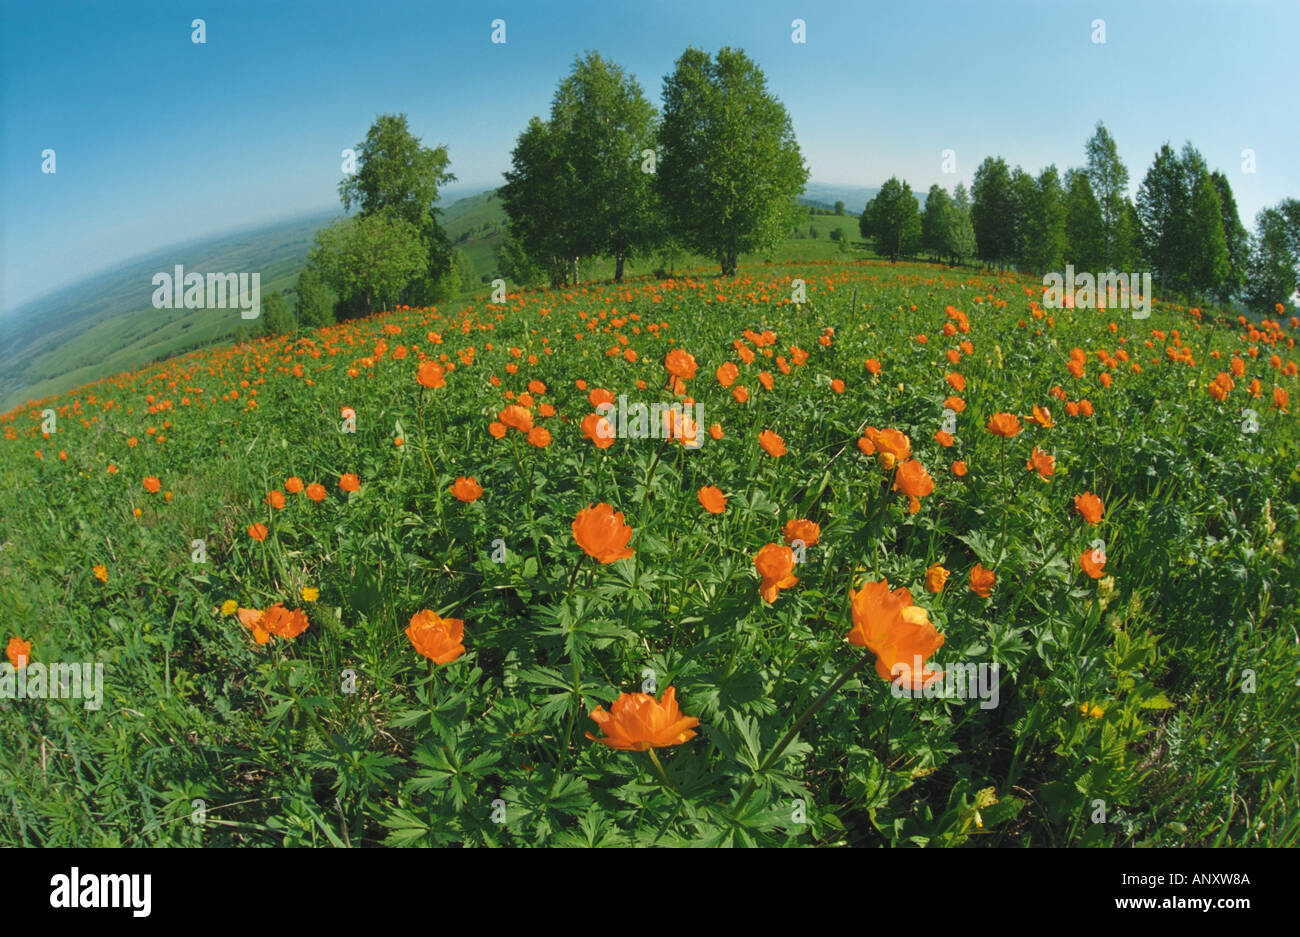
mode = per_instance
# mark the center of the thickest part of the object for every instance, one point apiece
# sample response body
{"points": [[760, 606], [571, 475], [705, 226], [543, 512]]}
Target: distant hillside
{"points": [[477, 225], [107, 324], [854, 197]]}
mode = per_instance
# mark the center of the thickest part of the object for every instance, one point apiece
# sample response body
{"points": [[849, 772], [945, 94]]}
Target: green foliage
{"points": [[1274, 268], [993, 212], [535, 198], [397, 177], [577, 185], [1125, 715], [1209, 266], [1236, 240], [892, 220], [277, 317], [514, 263], [1109, 178], [369, 260], [937, 204], [729, 165], [957, 234], [1045, 243], [314, 307], [1086, 238], [396, 174]]}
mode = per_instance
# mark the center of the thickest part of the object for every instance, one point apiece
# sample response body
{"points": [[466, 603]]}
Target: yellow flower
{"points": [[310, 593], [1096, 712], [228, 607]]}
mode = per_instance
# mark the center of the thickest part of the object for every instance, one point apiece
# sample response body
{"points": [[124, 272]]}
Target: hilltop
{"points": [[106, 323]]}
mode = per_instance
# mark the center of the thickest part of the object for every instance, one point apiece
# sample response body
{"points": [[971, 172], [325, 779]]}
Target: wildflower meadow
{"points": [[425, 425], [933, 565]]}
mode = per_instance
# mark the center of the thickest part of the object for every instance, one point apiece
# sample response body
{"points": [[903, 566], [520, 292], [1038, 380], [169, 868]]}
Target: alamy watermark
{"points": [[968, 680], [652, 421], [1121, 290], [191, 291], [84, 681]]}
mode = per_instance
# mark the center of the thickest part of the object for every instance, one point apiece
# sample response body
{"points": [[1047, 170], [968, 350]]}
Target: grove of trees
{"points": [[718, 174]]}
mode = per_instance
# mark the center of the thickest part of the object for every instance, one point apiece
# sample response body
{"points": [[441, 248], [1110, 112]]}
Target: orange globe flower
{"points": [[466, 489], [959, 468], [349, 482], [293, 484], [1041, 462], [981, 581], [286, 624], [936, 577], [498, 430], [430, 374], [775, 564], [438, 639], [152, 484], [889, 442], [602, 533], [773, 444], [913, 480], [257, 531], [276, 620], [1004, 424], [727, 374], [599, 430], [637, 722], [539, 436], [810, 532], [101, 572], [517, 417], [1092, 565], [712, 499], [1042, 416], [275, 499], [898, 632], [680, 364], [19, 652], [1090, 506], [316, 491]]}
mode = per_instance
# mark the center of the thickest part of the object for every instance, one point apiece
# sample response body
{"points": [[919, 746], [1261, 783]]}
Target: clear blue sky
{"points": [[160, 140]]}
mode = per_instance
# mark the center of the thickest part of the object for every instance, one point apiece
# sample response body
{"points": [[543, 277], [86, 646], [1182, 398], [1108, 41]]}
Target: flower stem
{"points": [[799, 724], [1006, 501], [660, 768]]}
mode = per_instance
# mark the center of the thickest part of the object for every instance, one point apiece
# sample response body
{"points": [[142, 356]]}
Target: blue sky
{"points": [[160, 140]]}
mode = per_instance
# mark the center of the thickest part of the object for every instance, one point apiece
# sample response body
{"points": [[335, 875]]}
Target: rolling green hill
{"points": [[107, 324]]}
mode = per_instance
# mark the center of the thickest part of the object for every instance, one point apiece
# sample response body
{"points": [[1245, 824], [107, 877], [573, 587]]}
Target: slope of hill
{"points": [[107, 323]]}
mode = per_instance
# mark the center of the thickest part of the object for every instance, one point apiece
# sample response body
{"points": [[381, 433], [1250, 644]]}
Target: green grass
{"points": [[1201, 582]]}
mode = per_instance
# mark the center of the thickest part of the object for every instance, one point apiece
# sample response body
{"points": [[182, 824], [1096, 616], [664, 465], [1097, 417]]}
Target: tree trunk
{"points": [[618, 268], [575, 271], [728, 263]]}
